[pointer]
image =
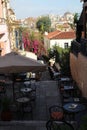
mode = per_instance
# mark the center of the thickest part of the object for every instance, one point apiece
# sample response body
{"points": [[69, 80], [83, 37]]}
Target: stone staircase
{"points": [[23, 125]]}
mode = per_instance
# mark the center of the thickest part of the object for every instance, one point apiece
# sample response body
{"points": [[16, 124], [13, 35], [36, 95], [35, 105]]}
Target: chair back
{"points": [[59, 125], [56, 112]]}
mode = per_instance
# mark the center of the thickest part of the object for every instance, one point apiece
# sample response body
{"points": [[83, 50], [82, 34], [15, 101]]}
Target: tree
{"points": [[62, 57], [75, 20], [65, 62], [43, 24]]}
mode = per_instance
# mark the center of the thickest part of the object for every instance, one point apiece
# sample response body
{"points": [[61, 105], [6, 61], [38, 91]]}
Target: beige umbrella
{"points": [[15, 63]]}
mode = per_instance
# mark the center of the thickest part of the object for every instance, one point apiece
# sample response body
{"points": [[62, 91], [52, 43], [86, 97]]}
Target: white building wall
{"points": [[60, 42], [28, 54], [46, 43]]}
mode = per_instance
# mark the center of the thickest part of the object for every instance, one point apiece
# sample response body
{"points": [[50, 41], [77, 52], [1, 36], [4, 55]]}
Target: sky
{"points": [[35, 8]]}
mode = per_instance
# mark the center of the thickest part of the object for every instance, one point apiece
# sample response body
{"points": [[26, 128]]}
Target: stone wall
{"points": [[78, 67]]}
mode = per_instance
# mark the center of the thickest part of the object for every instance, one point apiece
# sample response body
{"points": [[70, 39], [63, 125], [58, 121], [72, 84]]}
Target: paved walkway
{"points": [[47, 94]]}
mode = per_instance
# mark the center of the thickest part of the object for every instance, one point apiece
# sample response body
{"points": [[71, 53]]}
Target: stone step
{"points": [[23, 125], [21, 122], [26, 125]]}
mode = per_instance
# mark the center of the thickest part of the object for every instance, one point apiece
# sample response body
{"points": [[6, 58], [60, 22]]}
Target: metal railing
{"points": [[77, 47], [84, 47]]}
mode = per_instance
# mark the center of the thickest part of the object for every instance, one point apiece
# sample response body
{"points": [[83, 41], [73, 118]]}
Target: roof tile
{"points": [[61, 35]]}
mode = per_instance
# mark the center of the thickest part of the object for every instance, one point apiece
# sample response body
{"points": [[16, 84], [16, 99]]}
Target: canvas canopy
{"points": [[13, 63], [16, 63]]}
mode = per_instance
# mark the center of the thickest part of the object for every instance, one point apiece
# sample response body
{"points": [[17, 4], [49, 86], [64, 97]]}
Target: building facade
{"points": [[59, 38], [7, 28]]}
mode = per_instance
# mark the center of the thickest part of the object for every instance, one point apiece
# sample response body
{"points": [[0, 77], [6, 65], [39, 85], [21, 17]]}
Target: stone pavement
{"points": [[47, 94]]}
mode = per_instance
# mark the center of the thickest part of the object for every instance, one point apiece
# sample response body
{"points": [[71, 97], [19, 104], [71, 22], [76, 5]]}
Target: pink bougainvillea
{"points": [[35, 46], [32, 45], [35, 43], [26, 41]]}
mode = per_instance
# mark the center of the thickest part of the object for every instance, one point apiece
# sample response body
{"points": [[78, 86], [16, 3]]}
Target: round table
{"points": [[23, 100], [26, 90], [73, 108], [72, 99], [64, 79], [27, 83], [70, 89], [66, 88]]}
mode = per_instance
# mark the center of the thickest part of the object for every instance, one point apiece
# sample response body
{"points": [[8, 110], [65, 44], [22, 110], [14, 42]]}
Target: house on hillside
{"points": [[60, 38]]}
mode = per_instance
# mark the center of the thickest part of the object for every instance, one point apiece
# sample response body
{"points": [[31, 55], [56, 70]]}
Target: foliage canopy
{"points": [[43, 24], [62, 56]]}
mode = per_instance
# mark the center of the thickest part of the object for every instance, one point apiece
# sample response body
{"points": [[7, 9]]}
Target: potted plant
{"points": [[6, 114]]}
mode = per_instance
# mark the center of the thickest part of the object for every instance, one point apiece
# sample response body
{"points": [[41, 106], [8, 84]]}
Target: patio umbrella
{"points": [[15, 63]]}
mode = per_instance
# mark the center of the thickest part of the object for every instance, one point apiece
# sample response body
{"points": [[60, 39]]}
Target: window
{"points": [[66, 45]]}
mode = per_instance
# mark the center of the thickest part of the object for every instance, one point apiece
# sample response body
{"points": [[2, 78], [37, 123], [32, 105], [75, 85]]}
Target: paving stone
{"points": [[46, 94]]}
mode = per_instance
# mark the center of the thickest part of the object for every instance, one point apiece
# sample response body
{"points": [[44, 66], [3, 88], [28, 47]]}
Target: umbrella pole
{"points": [[13, 80], [13, 92]]}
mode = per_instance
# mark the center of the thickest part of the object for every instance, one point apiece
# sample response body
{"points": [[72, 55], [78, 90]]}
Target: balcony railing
{"points": [[77, 47], [84, 47]]}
